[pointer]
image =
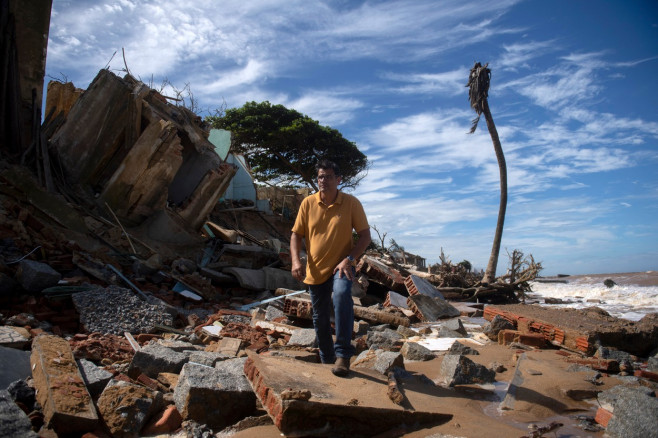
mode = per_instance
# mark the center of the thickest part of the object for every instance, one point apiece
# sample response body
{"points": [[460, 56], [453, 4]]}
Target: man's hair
{"points": [[327, 165]]}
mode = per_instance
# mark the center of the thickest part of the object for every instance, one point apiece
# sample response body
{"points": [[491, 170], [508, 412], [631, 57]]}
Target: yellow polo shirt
{"points": [[328, 232]]}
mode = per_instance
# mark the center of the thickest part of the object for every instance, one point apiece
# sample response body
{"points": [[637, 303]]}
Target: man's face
{"points": [[327, 180]]}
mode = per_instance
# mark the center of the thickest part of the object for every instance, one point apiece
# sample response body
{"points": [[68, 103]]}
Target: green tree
{"points": [[478, 95], [283, 145]]}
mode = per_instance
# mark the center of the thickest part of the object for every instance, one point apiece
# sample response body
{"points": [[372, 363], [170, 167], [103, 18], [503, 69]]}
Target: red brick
{"points": [[605, 365], [148, 382], [166, 421], [506, 337], [603, 416], [647, 375]]}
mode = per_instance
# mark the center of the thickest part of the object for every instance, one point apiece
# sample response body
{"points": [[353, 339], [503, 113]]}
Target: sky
{"points": [[573, 96]]}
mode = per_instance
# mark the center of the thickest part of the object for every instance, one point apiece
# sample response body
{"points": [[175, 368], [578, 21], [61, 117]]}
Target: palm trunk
{"points": [[490, 272]]}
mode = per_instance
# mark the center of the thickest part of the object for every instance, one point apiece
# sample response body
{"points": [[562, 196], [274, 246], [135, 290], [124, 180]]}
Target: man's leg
{"points": [[321, 301], [343, 316]]}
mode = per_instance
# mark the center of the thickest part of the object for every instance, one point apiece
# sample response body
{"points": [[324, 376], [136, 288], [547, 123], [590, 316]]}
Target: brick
{"points": [[165, 422], [67, 405], [603, 416], [605, 365], [646, 374]]}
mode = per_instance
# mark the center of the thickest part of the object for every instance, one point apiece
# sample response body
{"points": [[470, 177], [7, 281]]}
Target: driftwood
{"points": [[380, 317], [393, 391]]}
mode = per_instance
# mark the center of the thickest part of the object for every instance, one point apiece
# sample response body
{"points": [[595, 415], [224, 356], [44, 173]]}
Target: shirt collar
{"points": [[339, 198]]}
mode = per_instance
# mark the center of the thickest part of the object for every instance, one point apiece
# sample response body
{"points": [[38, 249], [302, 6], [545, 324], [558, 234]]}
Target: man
{"points": [[326, 220]]}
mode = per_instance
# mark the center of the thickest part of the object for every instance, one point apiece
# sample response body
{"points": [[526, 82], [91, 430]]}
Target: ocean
{"points": [[634, 294]]}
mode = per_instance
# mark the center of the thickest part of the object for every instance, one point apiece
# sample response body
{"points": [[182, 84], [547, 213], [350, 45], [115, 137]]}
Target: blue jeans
{"points": [[343, 317]]}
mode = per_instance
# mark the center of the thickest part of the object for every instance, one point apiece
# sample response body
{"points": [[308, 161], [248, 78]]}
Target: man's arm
{"points": [[297, 270], [345, 267]]}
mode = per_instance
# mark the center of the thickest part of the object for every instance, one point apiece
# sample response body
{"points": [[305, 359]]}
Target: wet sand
{"points": [[475, 409]]}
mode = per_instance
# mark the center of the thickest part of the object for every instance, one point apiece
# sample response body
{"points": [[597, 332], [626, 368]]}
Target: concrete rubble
{"points": [[135, 300]]}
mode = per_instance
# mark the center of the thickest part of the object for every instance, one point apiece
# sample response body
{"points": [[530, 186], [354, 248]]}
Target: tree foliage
{"points": [[283, 145]]}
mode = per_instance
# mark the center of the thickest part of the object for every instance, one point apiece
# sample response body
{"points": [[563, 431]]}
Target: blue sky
{"points": [[573, 95]]}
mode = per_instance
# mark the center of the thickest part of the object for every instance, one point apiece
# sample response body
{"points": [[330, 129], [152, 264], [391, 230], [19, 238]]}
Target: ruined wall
{"points": [[124, 145]]}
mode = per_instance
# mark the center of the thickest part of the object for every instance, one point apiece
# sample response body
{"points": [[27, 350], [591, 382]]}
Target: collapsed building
{"points": [[137, 304]]}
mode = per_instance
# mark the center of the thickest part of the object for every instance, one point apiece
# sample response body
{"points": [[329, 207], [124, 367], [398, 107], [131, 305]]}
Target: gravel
{"points": [[116, 310]]}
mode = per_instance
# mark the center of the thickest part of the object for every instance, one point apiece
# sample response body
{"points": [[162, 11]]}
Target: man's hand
{"points": [[298, 271], [345, 268]]}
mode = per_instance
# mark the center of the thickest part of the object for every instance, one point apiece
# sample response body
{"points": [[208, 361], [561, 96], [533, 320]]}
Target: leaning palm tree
{"points": [[478, 83]]}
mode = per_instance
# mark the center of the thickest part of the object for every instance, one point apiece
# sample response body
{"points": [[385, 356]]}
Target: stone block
{"points": [[459, 348], [635, 415], [386, 339], [61, 391], [208, 358], [460, 370], [303, 338], [36, 276], [414, 351], [273, 313], [379, 360], [217, 397], [12, 337], [95, 377], [126, 407], [154, 359], [455, 325], [14, 422], [497, 324]]}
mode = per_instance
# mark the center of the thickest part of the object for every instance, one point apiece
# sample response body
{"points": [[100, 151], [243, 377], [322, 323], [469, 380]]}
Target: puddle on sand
{"points": [[570, 423]]}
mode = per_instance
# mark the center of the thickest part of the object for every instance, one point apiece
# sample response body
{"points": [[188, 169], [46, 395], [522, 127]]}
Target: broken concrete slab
{"points": [[14, 422], [11, 337], [394, 299], [61, 391], [541, 388], [431, 309], [217, 397], [416, 285], [460, 370], [36, 276], [252, 279], [126, 407], [95, 378], [580, 329], [356, 406], [278, 278]]}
